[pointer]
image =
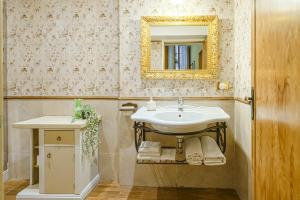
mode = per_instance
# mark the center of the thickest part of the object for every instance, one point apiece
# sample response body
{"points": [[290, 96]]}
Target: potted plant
{"points": [[90, 136]]}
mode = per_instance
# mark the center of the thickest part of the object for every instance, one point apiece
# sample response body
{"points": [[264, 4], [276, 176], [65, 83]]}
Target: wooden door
{"points": [[277, 84], [59, 169], [1, 103]]}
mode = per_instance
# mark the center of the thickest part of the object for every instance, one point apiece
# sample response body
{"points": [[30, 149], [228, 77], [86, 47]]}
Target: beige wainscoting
{"points": [[243, 137]]}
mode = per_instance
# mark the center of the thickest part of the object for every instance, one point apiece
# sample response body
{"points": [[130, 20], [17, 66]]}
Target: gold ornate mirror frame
{"points": [[212, 47]]}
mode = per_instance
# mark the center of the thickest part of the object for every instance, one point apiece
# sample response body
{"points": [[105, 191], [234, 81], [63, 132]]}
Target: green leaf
{"points": [[90, 136]]}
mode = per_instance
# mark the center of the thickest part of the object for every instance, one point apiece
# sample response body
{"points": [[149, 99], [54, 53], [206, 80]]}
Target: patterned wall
{"points": [[242, 37], [62, 47], [73, 47], [130, 13]]}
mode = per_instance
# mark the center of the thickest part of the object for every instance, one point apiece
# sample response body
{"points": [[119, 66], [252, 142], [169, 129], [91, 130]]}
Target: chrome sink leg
{"points": [[180, 155]]}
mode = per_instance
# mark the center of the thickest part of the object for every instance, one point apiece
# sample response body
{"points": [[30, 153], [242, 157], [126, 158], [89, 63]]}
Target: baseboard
{"points": [[5, 175], [85, 192]]}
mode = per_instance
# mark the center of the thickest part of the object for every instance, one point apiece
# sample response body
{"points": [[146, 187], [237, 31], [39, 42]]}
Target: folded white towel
{"points": [[167, 156], [148, 144], [193, 151], [148, 158], [150, 150], [150, 147], [212, 152], [149, 154]]}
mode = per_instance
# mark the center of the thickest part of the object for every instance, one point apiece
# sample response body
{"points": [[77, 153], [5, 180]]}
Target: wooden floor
{"points": [[12, 188], [115, 192]]}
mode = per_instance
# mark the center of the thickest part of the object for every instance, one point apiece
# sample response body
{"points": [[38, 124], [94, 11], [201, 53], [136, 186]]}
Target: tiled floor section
{"points": [[115, 192]]}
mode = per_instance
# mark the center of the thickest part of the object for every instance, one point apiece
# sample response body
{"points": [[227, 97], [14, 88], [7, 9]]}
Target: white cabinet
{"points": [[63, 170]]}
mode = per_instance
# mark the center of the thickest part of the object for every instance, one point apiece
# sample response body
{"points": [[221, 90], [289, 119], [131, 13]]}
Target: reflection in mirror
{"points": [[179, 47]]}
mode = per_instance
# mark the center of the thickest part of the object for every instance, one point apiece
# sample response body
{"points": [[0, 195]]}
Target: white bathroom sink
{"points": [[177, 117], [191, 119]]}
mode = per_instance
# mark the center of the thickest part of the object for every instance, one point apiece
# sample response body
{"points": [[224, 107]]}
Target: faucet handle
{"points": [[180, 104]]}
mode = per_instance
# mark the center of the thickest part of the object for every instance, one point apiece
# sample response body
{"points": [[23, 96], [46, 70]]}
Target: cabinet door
{"points": [[59, 170]]}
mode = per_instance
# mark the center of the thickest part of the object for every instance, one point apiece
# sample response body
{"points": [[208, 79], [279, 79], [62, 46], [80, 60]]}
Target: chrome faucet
{"points": [[180, 104]]}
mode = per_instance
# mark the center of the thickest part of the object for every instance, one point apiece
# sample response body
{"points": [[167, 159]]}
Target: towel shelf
{"points": [[140, 130], [165, 159]]}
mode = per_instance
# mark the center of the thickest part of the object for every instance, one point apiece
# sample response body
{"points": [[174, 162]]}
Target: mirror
{"points": [[179, 47]]}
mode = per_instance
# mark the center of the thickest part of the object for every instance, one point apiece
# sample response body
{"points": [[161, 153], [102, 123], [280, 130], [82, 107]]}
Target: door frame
{"points": [[253, 85]]}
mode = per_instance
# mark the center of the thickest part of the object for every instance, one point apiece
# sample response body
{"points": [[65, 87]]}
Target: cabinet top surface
{"points": [[65, 122]]}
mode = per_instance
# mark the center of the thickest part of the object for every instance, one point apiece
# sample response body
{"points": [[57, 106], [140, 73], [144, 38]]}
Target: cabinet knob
{"points": [[58, 138], [49, 155]]}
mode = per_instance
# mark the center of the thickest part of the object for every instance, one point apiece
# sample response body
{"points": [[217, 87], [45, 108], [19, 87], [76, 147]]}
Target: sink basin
{"points": [[191, 119], [178, 117]]}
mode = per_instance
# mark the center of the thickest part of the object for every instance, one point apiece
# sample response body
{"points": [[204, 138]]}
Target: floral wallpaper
{"points": [[242, 48], [131, 83], [74, 47], [62, 47]]}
